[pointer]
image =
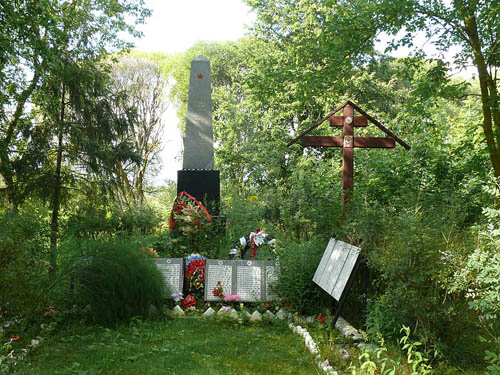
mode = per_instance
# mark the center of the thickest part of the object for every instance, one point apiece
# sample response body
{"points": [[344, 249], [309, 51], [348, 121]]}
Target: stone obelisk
{"points": [[198, 176]]}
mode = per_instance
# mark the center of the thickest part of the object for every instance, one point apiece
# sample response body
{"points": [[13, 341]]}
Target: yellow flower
{"points": [[252, 198]]}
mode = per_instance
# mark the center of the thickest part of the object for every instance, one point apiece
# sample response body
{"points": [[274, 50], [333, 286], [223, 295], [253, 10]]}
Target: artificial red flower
{"points": [[321, 318], [218, 290], [376, 372], [15, 338], [195, 265], [287, 304], [189, 301]]}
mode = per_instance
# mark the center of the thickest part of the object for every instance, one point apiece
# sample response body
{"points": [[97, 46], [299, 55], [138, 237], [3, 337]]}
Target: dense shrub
{"points": [[298, 263], [94, 222], [412, 255], [479, 280], [116, 280], [23, 247]]}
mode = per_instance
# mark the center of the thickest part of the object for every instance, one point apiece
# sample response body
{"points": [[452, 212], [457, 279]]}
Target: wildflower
{"points": [[15, 338], [35, 342], [287, 304], [345, 354]]}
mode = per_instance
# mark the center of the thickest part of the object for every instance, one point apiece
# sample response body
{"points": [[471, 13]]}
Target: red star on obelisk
{"points": [[200, 76]]}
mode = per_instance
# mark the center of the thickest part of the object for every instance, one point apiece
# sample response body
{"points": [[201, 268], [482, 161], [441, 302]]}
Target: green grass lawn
{"points": [[182, 346]]}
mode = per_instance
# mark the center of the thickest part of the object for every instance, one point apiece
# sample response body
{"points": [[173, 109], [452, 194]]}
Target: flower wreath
{"points": [[188, 214], [195, 273], [252, 242]]}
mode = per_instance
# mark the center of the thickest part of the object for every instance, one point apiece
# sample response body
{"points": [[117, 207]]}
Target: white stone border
{"points": [[313, 348]]}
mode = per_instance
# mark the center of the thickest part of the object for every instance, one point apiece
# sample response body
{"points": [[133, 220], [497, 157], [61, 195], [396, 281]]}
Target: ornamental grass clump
{"points": [[116, 280]]}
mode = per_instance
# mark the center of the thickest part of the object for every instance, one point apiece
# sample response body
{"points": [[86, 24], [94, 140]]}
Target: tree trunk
{"points": [[488, 98], [56, 197]]}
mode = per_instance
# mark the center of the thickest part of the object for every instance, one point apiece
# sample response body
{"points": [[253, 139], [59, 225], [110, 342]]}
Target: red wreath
{"points": [[179, 206]]}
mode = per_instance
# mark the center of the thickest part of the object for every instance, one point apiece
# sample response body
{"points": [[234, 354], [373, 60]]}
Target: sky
{"points": [[176, 25]]}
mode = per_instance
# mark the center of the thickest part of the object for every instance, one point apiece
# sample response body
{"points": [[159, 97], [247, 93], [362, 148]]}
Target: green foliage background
{"points": [[426, 219]]}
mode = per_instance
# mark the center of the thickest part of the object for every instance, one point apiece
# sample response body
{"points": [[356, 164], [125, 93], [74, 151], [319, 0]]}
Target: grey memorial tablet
{"points": [[336, 266], [250, 279], [172, 271]]}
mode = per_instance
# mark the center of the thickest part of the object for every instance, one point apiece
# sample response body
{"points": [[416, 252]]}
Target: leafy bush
{"points": [[23, 247], [298, 263], [412, 254], [479, 279], [90, 221], [374, 360], [116, 280]]}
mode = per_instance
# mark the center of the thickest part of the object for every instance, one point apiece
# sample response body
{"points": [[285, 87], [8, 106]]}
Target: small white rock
{"points": [[256, 317], [223, 310], [208, 313], [268, 315], [177, 311], [233, 314], [281, 314]]}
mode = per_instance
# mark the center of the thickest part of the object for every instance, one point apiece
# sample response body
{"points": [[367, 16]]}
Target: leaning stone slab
{"points": [[177, 311]]}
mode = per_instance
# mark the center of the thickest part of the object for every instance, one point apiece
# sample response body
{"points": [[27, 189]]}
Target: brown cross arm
{"points": [[359, 121], [359, 142], [379, 125], [295, 140]]}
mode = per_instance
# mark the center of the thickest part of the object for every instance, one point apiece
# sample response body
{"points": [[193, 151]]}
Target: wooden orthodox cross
{"points": [[348, 141]]}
